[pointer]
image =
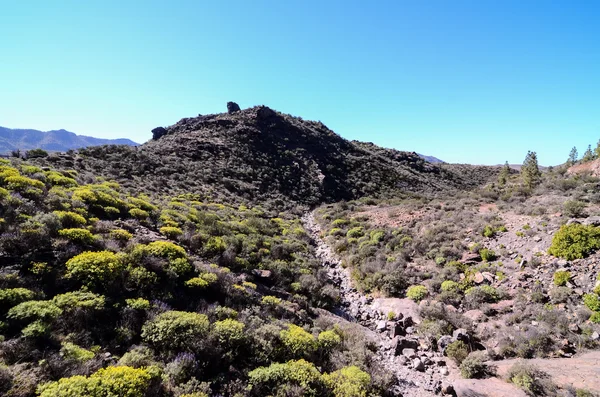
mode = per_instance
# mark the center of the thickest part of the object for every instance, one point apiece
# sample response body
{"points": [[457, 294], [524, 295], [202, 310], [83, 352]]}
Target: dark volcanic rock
{"points": [[232, 107], [265, 112], [158, 132]]}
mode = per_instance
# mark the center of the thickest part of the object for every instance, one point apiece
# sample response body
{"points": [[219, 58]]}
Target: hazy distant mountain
{"points": [[431, 159], [56, 140]]}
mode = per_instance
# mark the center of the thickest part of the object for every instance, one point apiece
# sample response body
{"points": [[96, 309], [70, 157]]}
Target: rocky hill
{"points": [[258, 153], [55, 140]]}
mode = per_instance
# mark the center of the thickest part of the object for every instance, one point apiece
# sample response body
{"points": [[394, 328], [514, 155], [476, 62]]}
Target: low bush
{"points": [[348, 382], [561, 278], [112, 381], [457, 351], [77, 235], [416, 292], [487, 255], [531, 380], [94, 268], [175, 331], [299, 377], [475, 366], [298, 342], [34, 310], [575, 241]]}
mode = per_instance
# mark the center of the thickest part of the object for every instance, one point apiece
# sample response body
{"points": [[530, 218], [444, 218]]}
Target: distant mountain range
{"points": [[431, 159], [55, 140]]}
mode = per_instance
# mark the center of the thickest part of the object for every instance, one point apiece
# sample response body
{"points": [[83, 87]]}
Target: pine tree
{"points": [[597, 150], [530, 171], [504, 174], [572, 156], [588, 155]]}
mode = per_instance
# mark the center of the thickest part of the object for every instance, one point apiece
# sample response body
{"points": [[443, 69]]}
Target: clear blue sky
{"points": [[467, 81]]}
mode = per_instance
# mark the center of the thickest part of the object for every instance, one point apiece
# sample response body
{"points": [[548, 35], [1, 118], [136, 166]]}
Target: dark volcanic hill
{"points": [[55, 140], [258, 153]]}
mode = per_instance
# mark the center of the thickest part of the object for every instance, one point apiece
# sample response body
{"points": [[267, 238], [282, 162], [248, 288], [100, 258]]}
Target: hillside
{"points": [[192, 266], [55, 140], [257, 154]]}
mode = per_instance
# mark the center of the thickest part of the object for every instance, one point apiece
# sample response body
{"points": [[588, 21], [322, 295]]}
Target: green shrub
{"points": [[348, 382], [592, 302], [530, 379], [22, 184], [222, 312], [595, 318], [142, 204], [340, 222], [297, 341], [120, 235], [93, 268], [108, 382], [215, 246], [138, 214], [329, 339], [416, 292], [575, 241], [483, 294], [138, 356], [474, 366], [229, 332], [161, 249], [574, 208], [450, 286], [175, 330], [457, 351], [138, 303], [270, 300], [36, 329], [286, 378], [33, 153], [70, 219], [34, 310], [355, 232], [202, 281], [487, 255], [171, 232], [58, 179], [76, 235], [79, 299], [10, 297], [561, 278], [488, 231], [72, 351]]}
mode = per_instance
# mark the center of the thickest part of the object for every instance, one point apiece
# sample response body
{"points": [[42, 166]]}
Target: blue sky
{"points": [[466, 81]]}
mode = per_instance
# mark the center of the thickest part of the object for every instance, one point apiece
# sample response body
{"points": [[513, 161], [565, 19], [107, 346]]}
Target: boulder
{"points": [[443, 342], [262, 274], [232, 107], [462, 335], [401, 343], [409, 353], [418, 365], [478, 278], [592, 220], [158, 132], [470, 257], [397, 329]]}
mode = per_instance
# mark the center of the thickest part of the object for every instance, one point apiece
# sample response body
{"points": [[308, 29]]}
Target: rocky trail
{"points": [[420, 371]]}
